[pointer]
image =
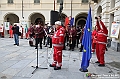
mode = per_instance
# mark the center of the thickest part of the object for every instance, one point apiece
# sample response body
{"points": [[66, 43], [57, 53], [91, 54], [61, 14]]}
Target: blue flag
{"points": [[86, 42], [71, 21]]}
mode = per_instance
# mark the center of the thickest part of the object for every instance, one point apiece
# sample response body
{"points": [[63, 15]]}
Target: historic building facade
{"points": [[16, 11], [29, 11], [110, 12]]}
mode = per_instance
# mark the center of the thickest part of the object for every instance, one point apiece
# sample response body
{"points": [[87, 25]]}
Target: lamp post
{"points": [[71, 8], [22, 10]]}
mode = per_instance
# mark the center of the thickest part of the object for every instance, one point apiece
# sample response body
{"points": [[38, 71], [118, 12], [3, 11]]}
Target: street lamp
{"points": [[22, 10], [71, 8]]}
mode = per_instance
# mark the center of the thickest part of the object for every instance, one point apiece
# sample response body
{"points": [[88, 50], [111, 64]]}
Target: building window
{"points": [[84, 1], [10, 1], [58, 1], [36, 1]]}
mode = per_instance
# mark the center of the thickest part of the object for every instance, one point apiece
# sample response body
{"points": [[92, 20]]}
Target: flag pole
{"points": [[89, 3], [54, 5]]}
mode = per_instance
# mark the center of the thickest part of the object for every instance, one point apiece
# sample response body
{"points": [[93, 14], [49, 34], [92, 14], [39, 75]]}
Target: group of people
{"points": [[58, 37], [55, 35]]}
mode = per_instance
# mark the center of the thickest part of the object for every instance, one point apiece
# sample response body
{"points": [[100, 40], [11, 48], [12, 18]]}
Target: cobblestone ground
{"points": [[16, 62]]}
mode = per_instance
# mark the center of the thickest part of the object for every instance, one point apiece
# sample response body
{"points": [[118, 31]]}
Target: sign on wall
{"points": [[1, 28], [115, 30], [7, 25]]}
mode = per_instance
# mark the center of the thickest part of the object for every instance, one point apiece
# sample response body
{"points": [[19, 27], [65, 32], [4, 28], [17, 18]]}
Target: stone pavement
{"points": [[16, 62]]}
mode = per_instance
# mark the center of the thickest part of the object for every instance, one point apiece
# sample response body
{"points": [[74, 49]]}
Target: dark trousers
{"points": [[81, 48], [72, 46], [64, 47], [44, 40], [51, 42], [38, 41], [77, 41]]}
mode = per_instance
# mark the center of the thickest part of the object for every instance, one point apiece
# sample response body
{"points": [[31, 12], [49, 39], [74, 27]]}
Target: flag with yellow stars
{"points": [[86, 42]]}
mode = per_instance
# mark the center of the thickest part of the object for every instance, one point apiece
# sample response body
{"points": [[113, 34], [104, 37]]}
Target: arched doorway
{"points": [[12, 18], [35, 17], [80, 19]]}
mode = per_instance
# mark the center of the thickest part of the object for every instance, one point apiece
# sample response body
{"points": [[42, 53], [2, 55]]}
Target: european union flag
{"points": [[86, 42], [71, 21]]}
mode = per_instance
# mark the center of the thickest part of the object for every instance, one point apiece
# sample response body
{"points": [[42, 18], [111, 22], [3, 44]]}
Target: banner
{"points": [[1, 28], [7, 25], [115, 30]]}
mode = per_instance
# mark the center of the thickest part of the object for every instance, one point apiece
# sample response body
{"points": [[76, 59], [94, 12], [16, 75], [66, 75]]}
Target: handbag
{"points": [[19, 33]]}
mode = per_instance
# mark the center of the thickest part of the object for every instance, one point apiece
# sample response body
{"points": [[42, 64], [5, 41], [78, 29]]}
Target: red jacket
{"points": [[58, 38], [94, 33], [102, 33], [39, 31]]}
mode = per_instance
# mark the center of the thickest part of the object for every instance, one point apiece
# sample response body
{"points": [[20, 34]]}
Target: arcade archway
{"points": [[80, 19], [35, 17]]}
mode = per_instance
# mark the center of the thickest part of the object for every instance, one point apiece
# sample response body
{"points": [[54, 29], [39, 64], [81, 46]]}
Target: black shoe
{"points": [[64, 48], [83, 70], [97, 62], [80, 51], [36, 48], [15, 44], [57, 68], [51, 65], [45, 46], [72, 49], [40, 47], [101, 65], [50, 47]]}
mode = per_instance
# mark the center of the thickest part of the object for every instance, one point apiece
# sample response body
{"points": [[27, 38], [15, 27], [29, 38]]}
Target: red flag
{"points": [[66, 22]]}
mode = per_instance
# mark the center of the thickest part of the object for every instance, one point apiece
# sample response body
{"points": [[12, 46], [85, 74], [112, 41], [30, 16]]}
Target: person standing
{"points": [[101, 41], [51, 32], [21, 30], [39, 34], [58, 43], [26, 32], [2, 31], [78, 35], [45, 36], [94, 32], [31, 30], [31, 34], [11, 31], [81, 37], [72, 38], [15, 29]]}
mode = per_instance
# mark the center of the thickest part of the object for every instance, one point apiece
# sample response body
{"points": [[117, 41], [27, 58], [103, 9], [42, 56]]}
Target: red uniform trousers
{"points": [[2, 34], [57, 56], [93, 47], [100, 51], [11, 33], [22, 34], [26, 35]]}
